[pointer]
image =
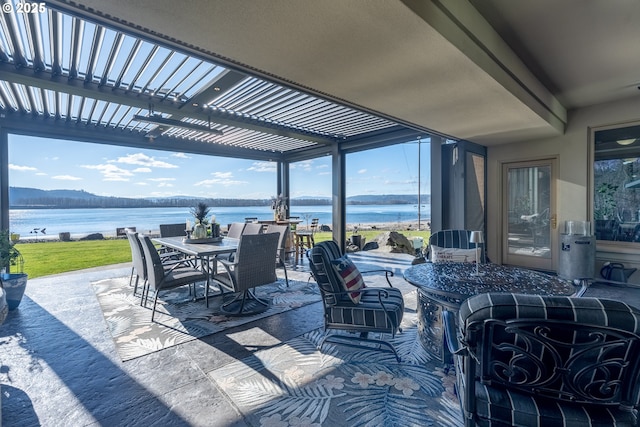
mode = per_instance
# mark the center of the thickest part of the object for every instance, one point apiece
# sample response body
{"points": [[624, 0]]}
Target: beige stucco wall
{"points": [[572, 153]]}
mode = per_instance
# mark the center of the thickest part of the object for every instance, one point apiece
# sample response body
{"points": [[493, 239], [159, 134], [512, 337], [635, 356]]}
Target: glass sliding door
{"points": [[529, 238]]}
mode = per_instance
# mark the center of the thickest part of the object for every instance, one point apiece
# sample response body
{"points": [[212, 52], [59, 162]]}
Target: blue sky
{"points": [[106, 170]]}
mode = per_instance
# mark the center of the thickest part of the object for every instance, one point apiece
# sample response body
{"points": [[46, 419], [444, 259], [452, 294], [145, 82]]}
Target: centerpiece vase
{"points": [[199, 231]]}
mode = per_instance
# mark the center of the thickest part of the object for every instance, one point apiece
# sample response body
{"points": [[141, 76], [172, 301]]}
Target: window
{"points": [[616, 184]]}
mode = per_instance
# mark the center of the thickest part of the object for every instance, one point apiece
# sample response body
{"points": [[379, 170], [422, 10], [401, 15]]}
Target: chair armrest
{"points": [[450, 334], [226, 263], [387, 274]]}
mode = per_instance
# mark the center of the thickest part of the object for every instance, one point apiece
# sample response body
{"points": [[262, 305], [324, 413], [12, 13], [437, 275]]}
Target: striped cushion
{"points": [[499, 407], [602, 312], [369, 312]]}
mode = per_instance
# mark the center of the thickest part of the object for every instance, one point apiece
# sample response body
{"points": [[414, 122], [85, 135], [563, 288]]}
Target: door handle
{"points": [[554, 221]]}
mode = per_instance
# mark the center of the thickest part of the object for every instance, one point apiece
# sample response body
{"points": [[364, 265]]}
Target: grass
{"points": [[46, 258]]}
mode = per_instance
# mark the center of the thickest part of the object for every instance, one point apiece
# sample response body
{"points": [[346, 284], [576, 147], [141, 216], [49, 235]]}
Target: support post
{"points": [[4, 180], [339, 197]]}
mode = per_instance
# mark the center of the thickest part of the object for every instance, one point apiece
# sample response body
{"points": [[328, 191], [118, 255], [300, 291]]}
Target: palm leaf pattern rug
{"points": [[178, 319], [294, 384]]}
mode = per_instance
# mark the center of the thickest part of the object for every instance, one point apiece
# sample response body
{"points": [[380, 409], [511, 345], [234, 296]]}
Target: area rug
{"points": [[294, 384], [178, 319]]}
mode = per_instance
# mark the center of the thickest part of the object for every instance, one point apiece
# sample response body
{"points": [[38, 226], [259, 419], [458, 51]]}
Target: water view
{"points": [[106, 221]]}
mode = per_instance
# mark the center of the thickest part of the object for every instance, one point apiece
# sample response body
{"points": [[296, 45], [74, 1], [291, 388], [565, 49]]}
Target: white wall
{"points": [[572, 152]]}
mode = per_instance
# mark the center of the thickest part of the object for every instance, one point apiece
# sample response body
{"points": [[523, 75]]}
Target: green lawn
{"points": [[46, 258]]}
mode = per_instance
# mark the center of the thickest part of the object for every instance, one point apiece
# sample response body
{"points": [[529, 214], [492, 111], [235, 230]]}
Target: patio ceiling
{"points": [[65, 76]]}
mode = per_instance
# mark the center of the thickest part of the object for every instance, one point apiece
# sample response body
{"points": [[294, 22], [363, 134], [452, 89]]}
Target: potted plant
{"points": [[14, 284], [200, 213]]}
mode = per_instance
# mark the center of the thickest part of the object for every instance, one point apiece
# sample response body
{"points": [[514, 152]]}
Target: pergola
{"points": [[67, 76]]}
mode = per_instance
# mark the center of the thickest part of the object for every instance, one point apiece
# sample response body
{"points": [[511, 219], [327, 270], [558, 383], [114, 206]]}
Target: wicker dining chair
{"points": [[284, 246], [252, 266], [160, 278]]}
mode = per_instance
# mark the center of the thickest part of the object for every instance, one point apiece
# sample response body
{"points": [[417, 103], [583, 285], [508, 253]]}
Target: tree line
{"points": [[123, 202]]}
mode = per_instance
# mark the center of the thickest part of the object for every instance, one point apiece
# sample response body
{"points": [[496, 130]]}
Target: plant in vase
{"points": [[200, 213], [14, 284], [279, 206]]}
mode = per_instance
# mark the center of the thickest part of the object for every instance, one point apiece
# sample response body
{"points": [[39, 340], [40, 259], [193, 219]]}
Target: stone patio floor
{"points": [[59, 366]]}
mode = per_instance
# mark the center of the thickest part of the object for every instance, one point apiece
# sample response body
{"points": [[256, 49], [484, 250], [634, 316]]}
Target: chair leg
{"points": [[131, 276], [135, 285], [155, 301], [145, 293], [357, 341], [286, 277]]}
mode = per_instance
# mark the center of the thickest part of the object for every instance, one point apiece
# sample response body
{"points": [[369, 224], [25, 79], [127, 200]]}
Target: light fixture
{"points": [[626, 141], [476, 237]]}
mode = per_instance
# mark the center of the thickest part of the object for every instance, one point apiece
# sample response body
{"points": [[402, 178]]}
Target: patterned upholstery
{"points": [[379, 309], [454, 239], [525, 360]]}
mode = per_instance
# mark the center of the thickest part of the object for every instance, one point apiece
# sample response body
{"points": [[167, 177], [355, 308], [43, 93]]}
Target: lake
{"points": [[85, 221]]}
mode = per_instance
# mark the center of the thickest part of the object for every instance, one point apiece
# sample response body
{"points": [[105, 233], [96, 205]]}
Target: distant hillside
{"points": [[31, 198], [388, 199]]}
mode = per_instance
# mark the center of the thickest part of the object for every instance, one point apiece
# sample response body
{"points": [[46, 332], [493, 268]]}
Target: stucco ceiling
{"points": [[489, 71]]}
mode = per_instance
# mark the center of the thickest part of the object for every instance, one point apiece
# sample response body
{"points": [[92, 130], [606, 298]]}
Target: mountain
{"points": [[388, 199], [31, 198]]}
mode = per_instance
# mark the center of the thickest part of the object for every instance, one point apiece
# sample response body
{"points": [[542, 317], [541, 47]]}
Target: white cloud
{"points": [[142, 183], [263, 167], [219, 181], [181, 155], [143, 160], [142, 170], [161, 179], [111, 172], [305, 165], [41, 174], [222, 175], [220, 178], [21, 168], [361, 171], [66, 178], [165, 185]]}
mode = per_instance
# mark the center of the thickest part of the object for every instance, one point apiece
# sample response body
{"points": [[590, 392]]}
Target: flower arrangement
{"points": [[200, 213], [279, 207]]}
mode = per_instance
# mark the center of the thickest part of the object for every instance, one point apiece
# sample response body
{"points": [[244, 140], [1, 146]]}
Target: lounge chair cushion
{"points": [[350, 276], [439, 254]]}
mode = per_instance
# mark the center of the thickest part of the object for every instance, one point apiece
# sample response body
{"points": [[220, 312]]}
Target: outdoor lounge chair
{"points": [[161, 277], [253, 265], [530, 360], [375, 309]]}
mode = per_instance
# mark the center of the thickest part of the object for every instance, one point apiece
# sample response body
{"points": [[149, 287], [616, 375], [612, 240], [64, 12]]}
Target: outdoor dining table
{"points": [[204, 252]]}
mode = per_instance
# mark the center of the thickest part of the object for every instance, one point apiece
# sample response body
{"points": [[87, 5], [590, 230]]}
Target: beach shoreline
{"points": [[399, 226]]}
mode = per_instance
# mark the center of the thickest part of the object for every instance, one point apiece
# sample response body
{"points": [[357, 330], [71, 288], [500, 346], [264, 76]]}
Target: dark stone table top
{"points": [[458, 280]]}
